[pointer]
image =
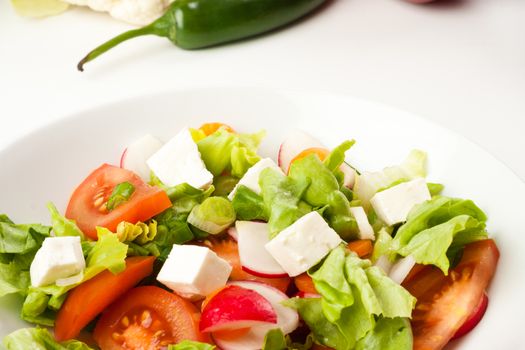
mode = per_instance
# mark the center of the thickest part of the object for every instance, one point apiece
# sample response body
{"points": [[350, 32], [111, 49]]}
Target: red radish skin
{"points": [[122, 157], [235, 307], [474, 318], [287, 318], [261, 274], [294, 144], [253, 338]]}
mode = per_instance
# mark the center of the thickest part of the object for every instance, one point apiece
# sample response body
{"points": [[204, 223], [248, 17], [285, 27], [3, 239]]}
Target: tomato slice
{"points": [[444, 303], [227, 249], [90, 298], [87, 205], [148, 318]]}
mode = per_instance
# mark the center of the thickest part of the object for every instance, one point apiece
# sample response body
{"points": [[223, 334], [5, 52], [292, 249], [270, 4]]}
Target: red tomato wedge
{"points": [[90, 298], [148, 318], [446, 302], [87, 205], [228, 250]]}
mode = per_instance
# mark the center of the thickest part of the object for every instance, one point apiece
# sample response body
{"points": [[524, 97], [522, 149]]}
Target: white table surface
{"points": [[459, 63]]}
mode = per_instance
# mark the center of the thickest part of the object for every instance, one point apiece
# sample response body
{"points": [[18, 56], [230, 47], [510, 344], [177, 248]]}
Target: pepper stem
{"points": [[114, 42]]}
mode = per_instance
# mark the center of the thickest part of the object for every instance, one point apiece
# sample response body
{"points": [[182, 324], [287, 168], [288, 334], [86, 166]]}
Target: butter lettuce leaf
{"points": [[224, 151], [39, 339], [357, 303], [282, 198], [388, 334], [249, 205], [438, 229], [39, 8], [191, 345], [324, 191]]}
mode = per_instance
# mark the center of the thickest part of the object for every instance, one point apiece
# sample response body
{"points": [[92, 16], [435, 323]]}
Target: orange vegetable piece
{"points": [[210, 128]]}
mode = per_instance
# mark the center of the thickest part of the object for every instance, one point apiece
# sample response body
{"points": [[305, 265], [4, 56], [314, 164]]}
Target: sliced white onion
{"points": [[64, 282]]}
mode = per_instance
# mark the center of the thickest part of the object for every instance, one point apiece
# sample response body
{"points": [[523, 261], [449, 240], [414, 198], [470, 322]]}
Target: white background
{"points": [[458, 63]]}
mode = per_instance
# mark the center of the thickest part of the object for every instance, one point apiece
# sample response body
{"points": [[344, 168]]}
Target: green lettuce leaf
{"points": [[213, 215], [276, 340], [249, 205], [355, 298], [39, 339], [435, 189], [324, 190], [224, 184], [191, 345], [61, 225], [437, 225], [282, 198], [18, 246], [324, 332], [224, 151], [388, 334], [369, 183], [172, 224]]}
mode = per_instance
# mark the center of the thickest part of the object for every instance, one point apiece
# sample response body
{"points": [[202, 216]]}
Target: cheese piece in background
{"points": [[303, 244], [59, 257], [193, 271], [393, 205], [179, 161]]}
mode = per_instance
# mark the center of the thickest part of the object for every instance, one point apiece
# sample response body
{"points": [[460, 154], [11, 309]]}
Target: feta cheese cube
{"points": [[251, 178], [303, 244], [59, 257], [393, 205], [194, 271], [365, 229], [179, 161]]}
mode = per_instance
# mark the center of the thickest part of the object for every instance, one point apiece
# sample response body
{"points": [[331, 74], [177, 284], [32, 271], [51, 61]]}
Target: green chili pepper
{"points": [[195, 24], [121, 193]]}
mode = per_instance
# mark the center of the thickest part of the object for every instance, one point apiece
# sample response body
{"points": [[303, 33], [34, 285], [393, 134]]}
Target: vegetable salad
{"points": [[200, 243]]}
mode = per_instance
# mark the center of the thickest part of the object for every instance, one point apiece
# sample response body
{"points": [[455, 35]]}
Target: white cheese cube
{"points": [[59, 257], [303, 244], [194, 271], [251, 178], [365, 229], [393, 205], [401, 269], [179, 161]]}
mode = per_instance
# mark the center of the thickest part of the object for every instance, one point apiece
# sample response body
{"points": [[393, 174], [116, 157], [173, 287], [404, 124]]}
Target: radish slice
{"points": [[349, 175], [287, 318], [255, 259], [232, 231], [401, 269], [235, 307], [253, 339], [294, 144], [135, 155]]}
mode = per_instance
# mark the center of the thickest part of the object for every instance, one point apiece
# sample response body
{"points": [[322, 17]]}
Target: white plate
{"points": [[49, 163]]}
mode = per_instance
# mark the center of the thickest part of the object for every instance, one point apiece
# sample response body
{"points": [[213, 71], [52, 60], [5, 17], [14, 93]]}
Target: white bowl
{"points": [[47, 164]]}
